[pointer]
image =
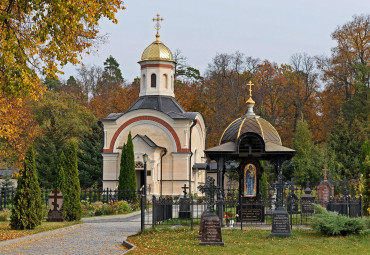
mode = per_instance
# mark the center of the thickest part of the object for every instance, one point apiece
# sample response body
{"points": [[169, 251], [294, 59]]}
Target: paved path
{"points": [[98, 235]]}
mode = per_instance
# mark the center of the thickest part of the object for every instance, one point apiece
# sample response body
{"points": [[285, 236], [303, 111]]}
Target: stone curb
{"points": [[128, 245]]}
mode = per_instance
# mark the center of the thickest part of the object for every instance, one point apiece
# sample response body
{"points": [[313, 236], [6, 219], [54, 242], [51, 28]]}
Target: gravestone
{"points": [[325, 190], [184, 212], [55, 202], [201, 226], [211, 233], [280, 223], [211, 226], [307, 201], [293, 204], [280, 216]]}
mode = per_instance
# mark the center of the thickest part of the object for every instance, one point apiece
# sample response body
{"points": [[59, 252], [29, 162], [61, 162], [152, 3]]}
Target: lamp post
{"points": [[143, 195], [145, 159]]}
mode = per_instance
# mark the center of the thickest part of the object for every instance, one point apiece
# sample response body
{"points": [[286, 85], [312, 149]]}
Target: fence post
{"points": [[154, 208], [142, 213]]}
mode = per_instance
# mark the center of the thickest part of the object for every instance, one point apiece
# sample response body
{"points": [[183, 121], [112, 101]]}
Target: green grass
{"points": [[165, 240], [7, 233]]}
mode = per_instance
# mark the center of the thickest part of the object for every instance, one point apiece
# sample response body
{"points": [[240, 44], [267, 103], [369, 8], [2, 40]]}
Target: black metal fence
{"points": [[91, 195], [252, 211]]}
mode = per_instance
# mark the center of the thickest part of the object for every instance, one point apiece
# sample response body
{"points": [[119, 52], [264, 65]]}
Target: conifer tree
{"points": [[71, 206], [365, 170], [123, 179], [59, 183], [307, 161], [344, 149], [127, 177], [27, 208], [90, 160]]}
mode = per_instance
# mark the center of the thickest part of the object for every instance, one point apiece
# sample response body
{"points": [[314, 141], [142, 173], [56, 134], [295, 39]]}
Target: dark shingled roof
{"points": [[165, 104]]}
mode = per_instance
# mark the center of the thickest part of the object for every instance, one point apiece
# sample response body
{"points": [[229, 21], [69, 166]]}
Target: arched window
{"points": [[143, 82], [153, 81], [165, 81], [171, 82]]}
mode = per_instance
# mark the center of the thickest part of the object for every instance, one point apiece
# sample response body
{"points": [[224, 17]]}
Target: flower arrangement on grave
{"points": [[228, 217]]}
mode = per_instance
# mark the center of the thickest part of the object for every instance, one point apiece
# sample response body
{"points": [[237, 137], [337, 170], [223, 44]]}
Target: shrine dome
{"points": [[252, 124], [157, 51]]}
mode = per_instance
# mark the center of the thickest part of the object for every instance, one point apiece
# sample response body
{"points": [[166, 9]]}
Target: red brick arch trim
{"points": [[150, 118]]}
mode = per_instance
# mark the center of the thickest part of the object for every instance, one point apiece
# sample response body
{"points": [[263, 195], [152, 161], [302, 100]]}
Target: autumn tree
{"points": [[27, 208], [42, 36], [346, 72], [18, 129]]}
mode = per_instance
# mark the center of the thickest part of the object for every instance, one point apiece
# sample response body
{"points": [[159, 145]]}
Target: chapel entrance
{"points": [[139, 170]]}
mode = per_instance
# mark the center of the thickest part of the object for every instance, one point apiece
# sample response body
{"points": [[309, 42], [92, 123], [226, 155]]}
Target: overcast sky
{"points": [[200, 29]]}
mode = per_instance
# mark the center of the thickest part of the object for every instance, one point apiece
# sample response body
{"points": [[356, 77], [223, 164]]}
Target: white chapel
{"points": [[173, 139]]}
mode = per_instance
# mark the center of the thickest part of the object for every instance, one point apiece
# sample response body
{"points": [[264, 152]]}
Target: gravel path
{"points": [[99, 235]]}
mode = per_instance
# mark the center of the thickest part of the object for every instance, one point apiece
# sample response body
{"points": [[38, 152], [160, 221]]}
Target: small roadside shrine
{"points": [[248, 140]]}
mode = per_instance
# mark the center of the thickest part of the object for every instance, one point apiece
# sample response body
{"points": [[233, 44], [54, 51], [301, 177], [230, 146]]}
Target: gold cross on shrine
{"points": [[250, 84], [157, 26]]}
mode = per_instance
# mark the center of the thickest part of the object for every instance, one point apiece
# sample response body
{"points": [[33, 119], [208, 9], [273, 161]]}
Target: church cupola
{"points": [[157, 68]]}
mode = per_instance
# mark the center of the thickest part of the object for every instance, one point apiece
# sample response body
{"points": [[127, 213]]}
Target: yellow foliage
{"points": [[38, 37]]}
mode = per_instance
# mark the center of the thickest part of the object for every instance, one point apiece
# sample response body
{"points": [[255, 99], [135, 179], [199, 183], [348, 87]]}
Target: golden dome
{"points": [[255, 125], [157, 51]]}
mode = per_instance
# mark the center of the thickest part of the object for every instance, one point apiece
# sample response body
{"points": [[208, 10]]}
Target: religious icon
{"points": [[250, 180]]}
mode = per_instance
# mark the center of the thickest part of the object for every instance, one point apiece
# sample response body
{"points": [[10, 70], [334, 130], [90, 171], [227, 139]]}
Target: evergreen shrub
{"points": [[27, 208], [332, 223]]}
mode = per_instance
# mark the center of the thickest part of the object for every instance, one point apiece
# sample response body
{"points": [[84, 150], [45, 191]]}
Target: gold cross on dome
{"points": [[157, 26], [250, 84]]}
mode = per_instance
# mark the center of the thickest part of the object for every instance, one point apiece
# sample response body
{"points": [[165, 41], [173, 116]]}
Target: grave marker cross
{"points": [[185, 188], [55, 197], [210, 189]]}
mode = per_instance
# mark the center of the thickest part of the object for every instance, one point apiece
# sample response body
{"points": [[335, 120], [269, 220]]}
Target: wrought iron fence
{"points": [[91, 195], [253, 211]]}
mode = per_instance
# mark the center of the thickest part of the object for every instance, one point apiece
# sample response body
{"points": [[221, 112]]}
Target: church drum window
{"points": [[143, 82], [153, 83], [165, 81]]}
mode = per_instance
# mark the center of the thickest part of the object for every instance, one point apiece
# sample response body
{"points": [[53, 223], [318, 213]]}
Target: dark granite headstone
{"points": [[211, 232], [307, 200], [280, 224], [292, 204], [55, 203], [184, 212], [201, 226]]}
